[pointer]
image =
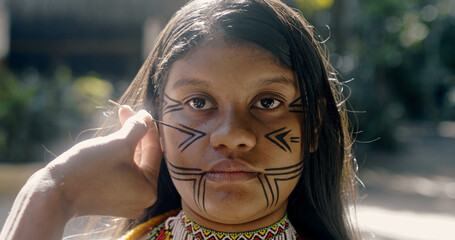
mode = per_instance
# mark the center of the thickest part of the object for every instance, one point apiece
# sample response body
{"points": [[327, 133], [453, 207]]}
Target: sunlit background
{"points": [[61, 60]]}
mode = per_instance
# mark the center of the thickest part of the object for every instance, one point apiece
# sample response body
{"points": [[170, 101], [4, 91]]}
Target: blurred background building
{"points": [[60, 60]]}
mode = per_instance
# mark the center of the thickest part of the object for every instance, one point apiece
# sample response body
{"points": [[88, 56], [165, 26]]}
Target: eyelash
{"points": [[276, 104], [267, 95], [190, 103]]}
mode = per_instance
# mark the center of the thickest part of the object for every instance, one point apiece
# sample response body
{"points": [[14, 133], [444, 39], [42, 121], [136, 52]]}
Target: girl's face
{"points": [[232, 142]]}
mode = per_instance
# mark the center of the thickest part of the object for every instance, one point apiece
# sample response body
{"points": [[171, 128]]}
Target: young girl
{"points": [[244, 136]]}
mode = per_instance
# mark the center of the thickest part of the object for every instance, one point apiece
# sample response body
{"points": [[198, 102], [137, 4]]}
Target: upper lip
{"points": [[231, 165]]}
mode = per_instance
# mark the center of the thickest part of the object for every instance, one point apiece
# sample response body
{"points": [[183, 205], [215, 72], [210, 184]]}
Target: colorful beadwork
{"points": [[202, 233], [181, 227], [161, 233]]}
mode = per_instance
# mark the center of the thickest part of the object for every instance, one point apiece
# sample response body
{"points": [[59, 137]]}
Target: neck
{"points": [[251, 223]]}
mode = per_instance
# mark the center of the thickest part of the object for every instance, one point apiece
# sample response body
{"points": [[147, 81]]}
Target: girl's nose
{"points": [[233, 132]]}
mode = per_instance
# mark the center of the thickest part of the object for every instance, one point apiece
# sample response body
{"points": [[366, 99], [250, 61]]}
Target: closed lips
{"points": [[230, 170]]}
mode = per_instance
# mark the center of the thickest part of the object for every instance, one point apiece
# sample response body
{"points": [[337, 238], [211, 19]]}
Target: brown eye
{"points": [[200, 103], [267, 103]]}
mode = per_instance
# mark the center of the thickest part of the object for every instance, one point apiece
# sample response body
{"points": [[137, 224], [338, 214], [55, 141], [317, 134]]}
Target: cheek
{"points": [[179, 139], [177, 146], [282, 143]]}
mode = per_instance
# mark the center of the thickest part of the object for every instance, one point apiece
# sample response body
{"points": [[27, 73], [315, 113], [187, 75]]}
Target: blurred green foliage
{"points": [[38, 113], [313, 5], [401, 55]]}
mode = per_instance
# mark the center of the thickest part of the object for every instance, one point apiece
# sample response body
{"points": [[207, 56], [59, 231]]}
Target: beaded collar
{"points": [[181, 227]]}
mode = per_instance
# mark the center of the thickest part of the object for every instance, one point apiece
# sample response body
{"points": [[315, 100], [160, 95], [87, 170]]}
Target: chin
{"points": [[231, 208], [230, 216]]}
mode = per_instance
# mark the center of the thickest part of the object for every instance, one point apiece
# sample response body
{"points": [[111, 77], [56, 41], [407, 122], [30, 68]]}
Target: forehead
{"points": [[238, 64]]}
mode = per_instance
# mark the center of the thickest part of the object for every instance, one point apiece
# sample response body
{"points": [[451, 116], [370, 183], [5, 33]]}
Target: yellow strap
{"points": [[140, 229]]}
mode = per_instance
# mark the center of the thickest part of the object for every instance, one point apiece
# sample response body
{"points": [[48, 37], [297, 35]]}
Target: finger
{"points": [[151, 152], [138, 153], [136, 127], [124, 113]]}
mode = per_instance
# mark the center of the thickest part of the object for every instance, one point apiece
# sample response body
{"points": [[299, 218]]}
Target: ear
{"points": [[317, 128]]}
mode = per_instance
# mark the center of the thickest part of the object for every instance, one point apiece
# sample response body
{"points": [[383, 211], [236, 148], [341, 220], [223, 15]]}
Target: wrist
{"points": [[39, 211], [45, 189]]}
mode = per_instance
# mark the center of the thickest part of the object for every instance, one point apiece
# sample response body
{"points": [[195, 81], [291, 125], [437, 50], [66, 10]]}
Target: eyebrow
{"points": [[262, 83], [279, 80], [190, 82]]}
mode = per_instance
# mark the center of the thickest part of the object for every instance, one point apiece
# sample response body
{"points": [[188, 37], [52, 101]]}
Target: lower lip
{"points": [[229, 177]]}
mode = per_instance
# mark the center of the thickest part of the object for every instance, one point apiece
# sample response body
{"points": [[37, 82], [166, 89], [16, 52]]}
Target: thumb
{"points": [[136, 127]]}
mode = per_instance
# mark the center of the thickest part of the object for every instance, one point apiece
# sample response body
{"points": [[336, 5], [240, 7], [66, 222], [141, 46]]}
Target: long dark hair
{"points": [[317, 206]]}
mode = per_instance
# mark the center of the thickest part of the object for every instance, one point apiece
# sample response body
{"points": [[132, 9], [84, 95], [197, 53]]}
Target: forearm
{"points": [[39, 211], [99, 176]]}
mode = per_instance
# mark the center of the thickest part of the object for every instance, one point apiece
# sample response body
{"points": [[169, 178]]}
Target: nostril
{"points": [[234, 132], [233, 139]]}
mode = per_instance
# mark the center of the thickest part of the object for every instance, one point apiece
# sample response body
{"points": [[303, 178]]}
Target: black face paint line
{"points": [[272, 176], [295, 139], [171, 105], [194, 134], [278, 138], [193, 175], [296, 106]]}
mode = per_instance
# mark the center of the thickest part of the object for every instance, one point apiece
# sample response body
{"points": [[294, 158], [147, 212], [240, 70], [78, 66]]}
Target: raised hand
{"points": [[114, 175]]}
